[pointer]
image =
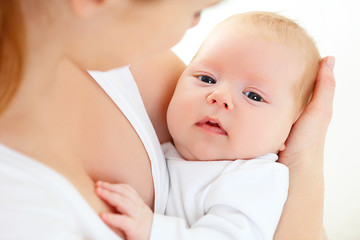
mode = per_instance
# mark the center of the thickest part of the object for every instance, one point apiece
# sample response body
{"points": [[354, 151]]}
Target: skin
{"points": [[195, 99], [303, 210], [244, 84], [302, 217], [58, 98], [305, 162]]}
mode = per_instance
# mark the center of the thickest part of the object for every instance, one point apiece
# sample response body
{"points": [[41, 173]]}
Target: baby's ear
{"points": [[85, 8], [282, 147]]}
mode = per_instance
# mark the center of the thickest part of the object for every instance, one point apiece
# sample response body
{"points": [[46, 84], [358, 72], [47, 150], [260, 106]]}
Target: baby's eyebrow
{"points": [[212, 66], [204, 63], [259, 84]]}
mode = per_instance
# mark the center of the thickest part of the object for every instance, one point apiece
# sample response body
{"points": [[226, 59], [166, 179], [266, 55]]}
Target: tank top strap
{"points": [[121, 87]]}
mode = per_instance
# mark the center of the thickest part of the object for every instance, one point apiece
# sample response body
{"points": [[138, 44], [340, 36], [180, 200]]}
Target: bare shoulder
{"points": [[156, 78]]}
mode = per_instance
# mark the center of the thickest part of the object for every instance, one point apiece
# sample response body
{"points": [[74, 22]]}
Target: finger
{"points": [[323, 95], [122, 189], [120, 202], [119, 221]]}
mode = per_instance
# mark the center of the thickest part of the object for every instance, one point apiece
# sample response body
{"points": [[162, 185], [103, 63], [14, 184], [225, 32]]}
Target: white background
{"points": [[335, 26]]}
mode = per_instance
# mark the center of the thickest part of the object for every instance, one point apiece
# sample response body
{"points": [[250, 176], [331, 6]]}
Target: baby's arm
{"points": [[134, 217], [238, 205]]}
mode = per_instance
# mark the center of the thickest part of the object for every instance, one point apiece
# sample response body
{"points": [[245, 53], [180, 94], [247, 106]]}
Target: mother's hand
{"points": [[307, 136], [302, 217]]}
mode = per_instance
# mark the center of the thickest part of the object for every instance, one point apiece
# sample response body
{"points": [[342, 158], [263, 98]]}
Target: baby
{"points": [[230, 115]]}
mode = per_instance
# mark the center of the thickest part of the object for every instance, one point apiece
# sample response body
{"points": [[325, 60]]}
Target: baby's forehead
{"points": [[273, 27], [267, 25], [252, 71]]}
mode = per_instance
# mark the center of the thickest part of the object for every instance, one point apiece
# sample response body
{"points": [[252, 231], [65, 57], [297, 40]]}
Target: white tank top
{"points": [[39, 203], [121, 87]]}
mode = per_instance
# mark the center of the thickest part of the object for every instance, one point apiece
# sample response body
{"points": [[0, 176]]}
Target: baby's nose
{"points": [[221, 98]]}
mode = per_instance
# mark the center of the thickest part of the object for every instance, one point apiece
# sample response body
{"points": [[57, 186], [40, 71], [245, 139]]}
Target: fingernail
{"points": [[330, 62], [101, 191], [98, 191]]}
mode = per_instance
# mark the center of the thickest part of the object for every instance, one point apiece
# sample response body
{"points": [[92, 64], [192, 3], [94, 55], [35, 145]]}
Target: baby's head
{"points": [[244, 89]]}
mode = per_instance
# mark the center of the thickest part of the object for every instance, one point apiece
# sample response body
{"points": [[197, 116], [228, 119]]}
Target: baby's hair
{"points": [[275, 26]]}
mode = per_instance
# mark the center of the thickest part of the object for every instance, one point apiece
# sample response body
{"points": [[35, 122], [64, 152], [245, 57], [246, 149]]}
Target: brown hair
{"points": [[12, 50]]}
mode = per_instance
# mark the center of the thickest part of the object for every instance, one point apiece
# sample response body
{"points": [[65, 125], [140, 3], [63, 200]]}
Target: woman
{"points": [[60, 132]]}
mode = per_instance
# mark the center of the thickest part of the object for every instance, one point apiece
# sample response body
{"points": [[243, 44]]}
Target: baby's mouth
{"points": [[212, 125]]}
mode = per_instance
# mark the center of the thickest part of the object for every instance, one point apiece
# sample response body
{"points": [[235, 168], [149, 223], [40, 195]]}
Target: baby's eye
{"points": [[206, 79], [253, 96]]}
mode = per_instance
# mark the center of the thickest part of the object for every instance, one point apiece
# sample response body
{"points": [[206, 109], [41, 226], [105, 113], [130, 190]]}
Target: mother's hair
{"points": [[12, 50]]}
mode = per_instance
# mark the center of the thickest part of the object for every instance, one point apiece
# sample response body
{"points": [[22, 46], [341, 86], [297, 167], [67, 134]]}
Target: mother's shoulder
{"points": [[156, 78]]}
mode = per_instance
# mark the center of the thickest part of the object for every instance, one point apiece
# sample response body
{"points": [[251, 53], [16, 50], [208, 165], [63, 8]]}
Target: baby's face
{"points": [[236, 99]]}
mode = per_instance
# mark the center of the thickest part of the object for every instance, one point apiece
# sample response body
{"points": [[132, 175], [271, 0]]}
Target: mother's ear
{"points": [[86, 8]]}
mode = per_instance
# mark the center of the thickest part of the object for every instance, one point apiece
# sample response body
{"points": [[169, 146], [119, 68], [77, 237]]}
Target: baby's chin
{"points": [[201, 155], [191, 155], [199, 152]]}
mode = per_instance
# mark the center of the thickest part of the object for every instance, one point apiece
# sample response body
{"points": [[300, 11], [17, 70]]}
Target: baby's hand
{"points": [[134, 217]]}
